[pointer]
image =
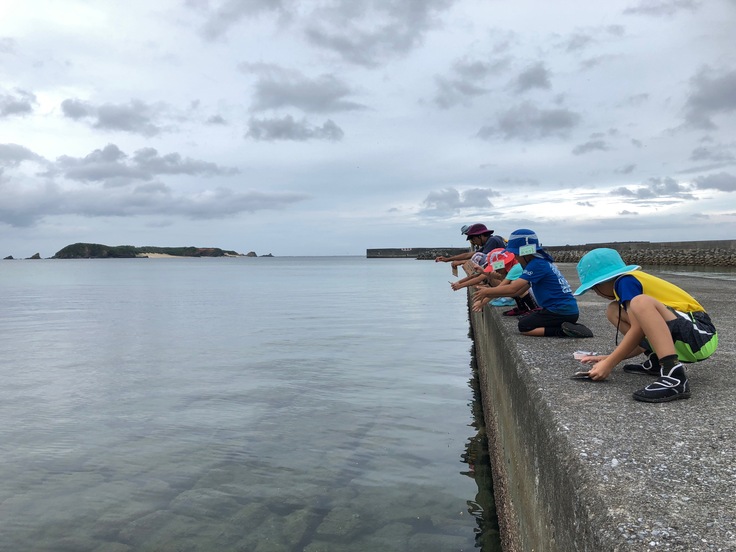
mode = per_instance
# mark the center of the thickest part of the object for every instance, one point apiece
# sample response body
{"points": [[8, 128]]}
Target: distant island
{"points": [[100, 251]]}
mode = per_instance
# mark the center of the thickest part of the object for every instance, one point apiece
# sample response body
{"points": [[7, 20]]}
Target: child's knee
{"points": [[642, 303]]}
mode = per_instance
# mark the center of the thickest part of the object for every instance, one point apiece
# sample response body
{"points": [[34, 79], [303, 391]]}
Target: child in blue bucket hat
{"points": [[656, 317], [559, 312]]}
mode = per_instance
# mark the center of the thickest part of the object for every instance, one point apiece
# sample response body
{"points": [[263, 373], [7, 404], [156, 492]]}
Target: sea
{"points": [[316, 404]]}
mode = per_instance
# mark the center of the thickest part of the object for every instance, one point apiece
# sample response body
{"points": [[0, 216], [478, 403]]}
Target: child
{"points": [[559, 312], [499, 268], [656, 317], [475, 271], [502, 269]]}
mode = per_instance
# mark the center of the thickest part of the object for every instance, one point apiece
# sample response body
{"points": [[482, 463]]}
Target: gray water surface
{"points": [[283, 404]]}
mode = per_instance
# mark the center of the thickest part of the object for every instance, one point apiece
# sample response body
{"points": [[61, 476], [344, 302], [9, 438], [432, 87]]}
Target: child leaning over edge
{"points": [[559, 309], [656, 317]]}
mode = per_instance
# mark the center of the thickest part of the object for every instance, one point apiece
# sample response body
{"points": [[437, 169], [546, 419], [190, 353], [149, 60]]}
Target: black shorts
{"points": [[693, 334], [550, 321]]}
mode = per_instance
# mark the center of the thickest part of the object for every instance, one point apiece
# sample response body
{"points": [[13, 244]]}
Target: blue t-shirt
{"points": [[627, 287], [550, 287]]}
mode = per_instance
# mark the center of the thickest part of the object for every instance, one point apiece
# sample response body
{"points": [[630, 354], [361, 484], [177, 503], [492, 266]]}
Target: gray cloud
{"points": [[365, 32], [591, 145], [582, 39], [105, 173], [450, 200], [527, 121], [136, 116], [466, 81], [534, 76], [627, 169], [218, 21], [77, 109], [718, 153], [711, 95], [18, 102], [216, 120], [287, 128], [24, 208], [278, 87], [584, 203], [12, 155], [578, 41], [362, 32], [724, 182], [114, 168], [655, 189], [635, 100], [149, 160], [659, 8]]}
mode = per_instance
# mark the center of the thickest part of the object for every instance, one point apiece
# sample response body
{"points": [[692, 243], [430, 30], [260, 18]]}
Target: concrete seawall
{"points": [[581, 466], [694, 253]]}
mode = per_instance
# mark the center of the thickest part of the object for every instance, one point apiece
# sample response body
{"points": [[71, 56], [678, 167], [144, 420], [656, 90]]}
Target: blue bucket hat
{"points": [[520, 238], [601, 265], [464, 229]]}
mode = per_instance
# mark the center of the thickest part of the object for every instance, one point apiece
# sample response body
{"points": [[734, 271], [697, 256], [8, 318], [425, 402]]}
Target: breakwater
{"points": [[695, 253], [687, 253], [581, 466], [425, 253]]}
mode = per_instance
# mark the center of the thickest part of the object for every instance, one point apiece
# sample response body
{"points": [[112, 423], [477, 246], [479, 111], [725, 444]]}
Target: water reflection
{"points": [[476, 456]]}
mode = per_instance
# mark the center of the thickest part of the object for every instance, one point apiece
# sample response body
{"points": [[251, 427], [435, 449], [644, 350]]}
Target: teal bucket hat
{"points": [[600, 265]]}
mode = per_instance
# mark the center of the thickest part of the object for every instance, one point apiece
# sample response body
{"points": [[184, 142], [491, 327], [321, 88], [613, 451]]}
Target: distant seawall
{"points": [[413, 252], [686, 253]]}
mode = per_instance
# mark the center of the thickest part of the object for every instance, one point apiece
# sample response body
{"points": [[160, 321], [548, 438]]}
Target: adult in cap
{"points": [[481, 239]]}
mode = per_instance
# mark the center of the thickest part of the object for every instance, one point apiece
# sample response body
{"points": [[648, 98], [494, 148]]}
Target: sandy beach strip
{"points": [[157, 256]]}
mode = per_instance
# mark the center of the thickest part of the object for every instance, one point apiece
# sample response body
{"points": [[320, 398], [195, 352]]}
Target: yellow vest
{"points": [[666, 293]]}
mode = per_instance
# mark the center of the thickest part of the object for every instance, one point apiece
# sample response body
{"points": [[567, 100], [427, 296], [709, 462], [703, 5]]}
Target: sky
{"points": [[326, 127]]}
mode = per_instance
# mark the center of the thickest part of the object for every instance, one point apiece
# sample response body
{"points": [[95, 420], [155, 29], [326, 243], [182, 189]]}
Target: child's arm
{"points": [[628, 347], [511, 290], [458, 257], [472, 280]]}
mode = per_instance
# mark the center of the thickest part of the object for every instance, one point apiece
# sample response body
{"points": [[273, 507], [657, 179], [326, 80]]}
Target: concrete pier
{"points": [[581, 466]]}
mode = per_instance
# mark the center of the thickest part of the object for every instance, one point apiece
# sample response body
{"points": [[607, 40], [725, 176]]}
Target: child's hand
{"points": [[480, 293], [456, 285], [602, 367]]}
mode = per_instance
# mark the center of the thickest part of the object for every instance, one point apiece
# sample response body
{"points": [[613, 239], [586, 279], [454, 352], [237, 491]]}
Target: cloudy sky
{"points": [[299, 127]]}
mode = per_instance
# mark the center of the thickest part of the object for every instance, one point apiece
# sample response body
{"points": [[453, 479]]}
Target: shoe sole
{"points": [[661, 399], [641, 371], [571, 329]]}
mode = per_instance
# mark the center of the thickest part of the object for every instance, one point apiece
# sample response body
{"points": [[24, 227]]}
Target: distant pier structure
{"points": [[413, 252]]}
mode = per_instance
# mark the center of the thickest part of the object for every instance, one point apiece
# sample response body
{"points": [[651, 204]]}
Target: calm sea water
{"points": [[268, 404]]}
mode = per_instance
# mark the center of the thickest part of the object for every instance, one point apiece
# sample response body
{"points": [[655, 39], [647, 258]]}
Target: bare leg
{"points": [[652, 316], [620, 319]]}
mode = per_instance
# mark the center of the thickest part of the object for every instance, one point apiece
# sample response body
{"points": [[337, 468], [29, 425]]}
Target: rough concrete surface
{"points": [[580, 465]]}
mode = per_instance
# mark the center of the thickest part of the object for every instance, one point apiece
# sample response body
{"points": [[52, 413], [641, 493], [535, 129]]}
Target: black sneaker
{"points": [[650, 367], [575, 330], [668, 387]]}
